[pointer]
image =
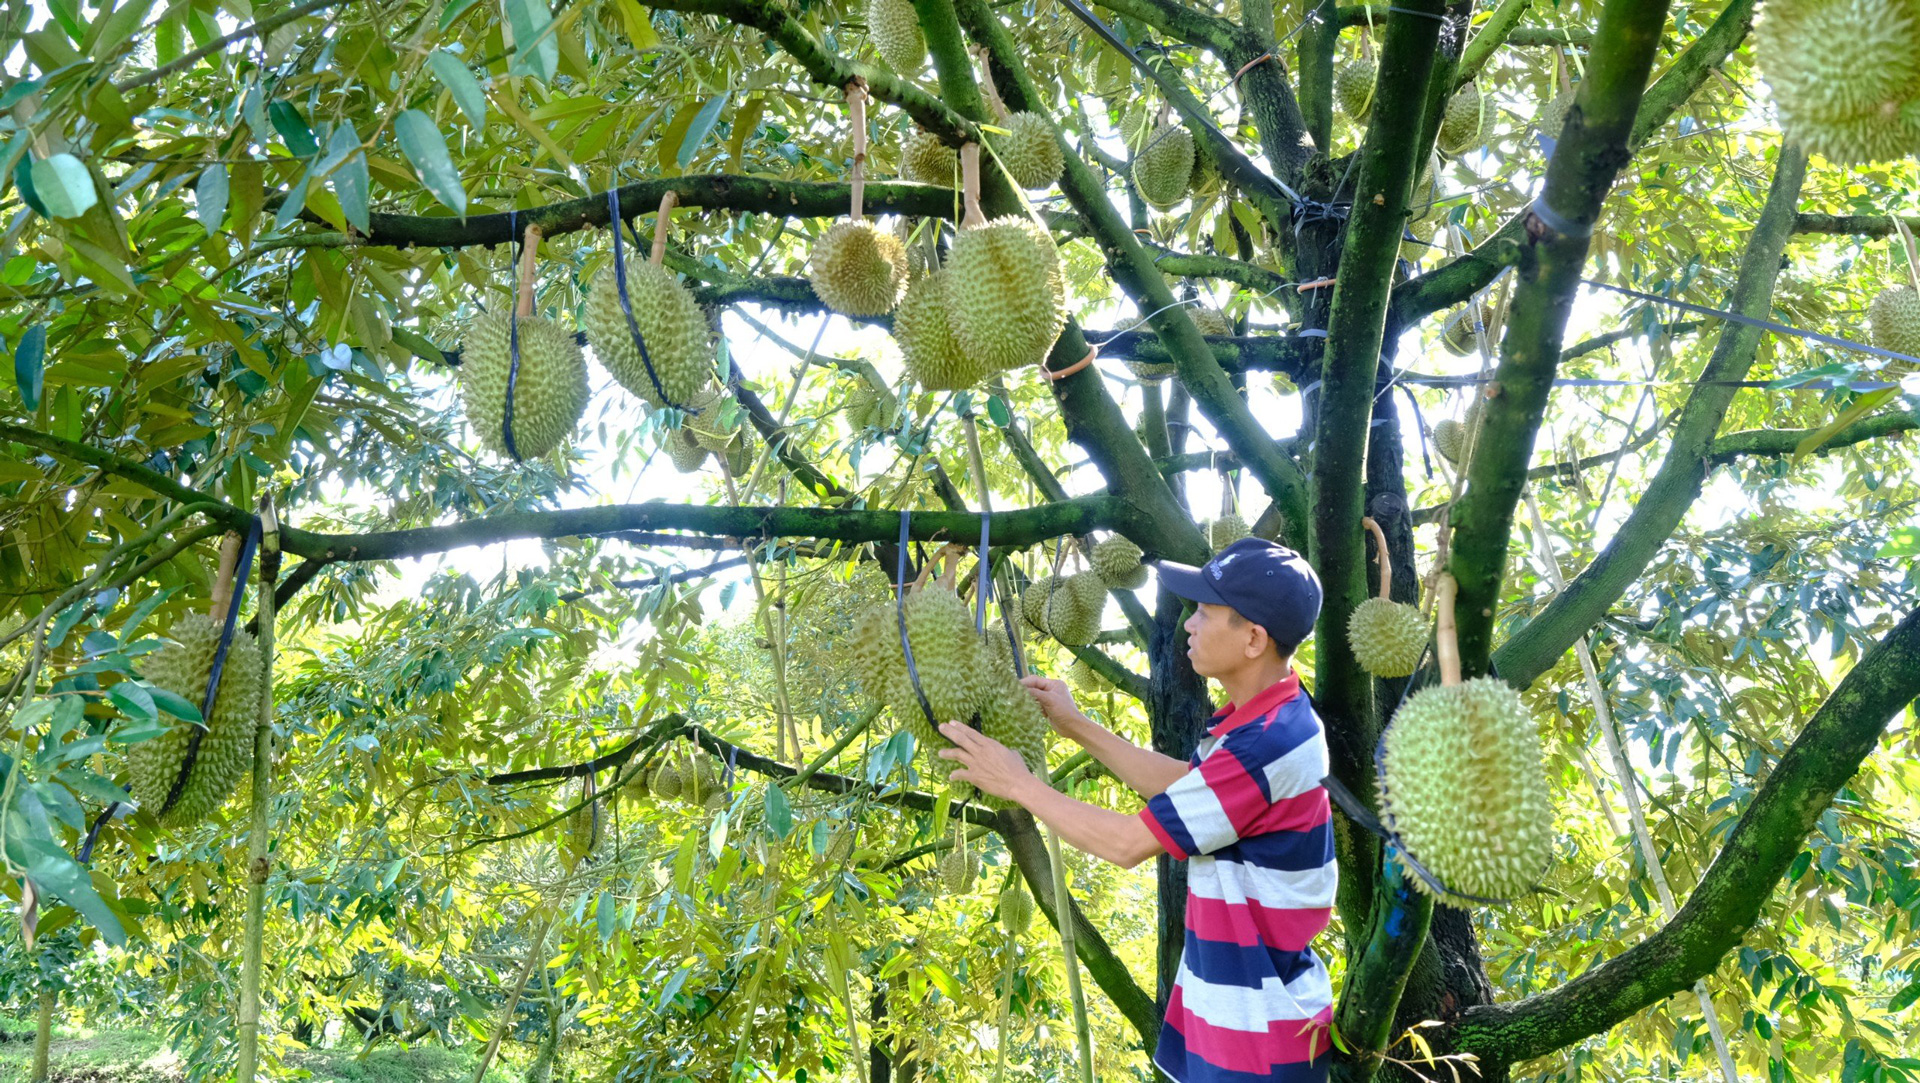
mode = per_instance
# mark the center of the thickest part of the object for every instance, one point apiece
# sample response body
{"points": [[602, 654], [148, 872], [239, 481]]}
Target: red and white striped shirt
{"points": [[1251, 1000]]}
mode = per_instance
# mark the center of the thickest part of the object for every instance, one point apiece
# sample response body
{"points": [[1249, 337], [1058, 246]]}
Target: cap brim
{"points": [[1187, 581]]}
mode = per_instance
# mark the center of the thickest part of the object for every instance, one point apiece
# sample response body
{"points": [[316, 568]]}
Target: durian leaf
{"points": [[134, 701], [210, 197], [536, 50], [64, 186], [29, 365], [423, 145], [55, 873], [779, 812], [178, 706], [700, 128], [461, 84]]}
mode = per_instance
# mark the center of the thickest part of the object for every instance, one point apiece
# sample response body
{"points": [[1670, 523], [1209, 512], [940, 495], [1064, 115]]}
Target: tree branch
{"points": [[1727, 901], [1865, 225], [1592, 149], [1664, 501], [1498, 30]]}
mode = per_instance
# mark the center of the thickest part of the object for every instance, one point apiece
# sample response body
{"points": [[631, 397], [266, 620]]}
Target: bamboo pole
{"points": [[258, 862], [1083, 1036]]}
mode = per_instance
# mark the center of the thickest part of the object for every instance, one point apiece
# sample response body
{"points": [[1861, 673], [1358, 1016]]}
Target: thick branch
{"points": [[1865, 225], [1495, 32], [1664, 501], [1727, 902], [1592, 149]]}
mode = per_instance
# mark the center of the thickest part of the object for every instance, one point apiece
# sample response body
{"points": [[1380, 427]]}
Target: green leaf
{"points": [[293, 129], [210, 197], [462, 85], [134, 701], [174, 704], [64, 186], [29, 364], [1902, 541], [454, 10], [779, 812], [536, 50], [1905, 998], [350, 179], [604, 914], [702, 126], [55, 873], [420, 140], [997, 412]]}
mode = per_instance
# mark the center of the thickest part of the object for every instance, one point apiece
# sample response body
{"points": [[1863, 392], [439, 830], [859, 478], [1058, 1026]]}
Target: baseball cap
{"points": [[1263, 581]]}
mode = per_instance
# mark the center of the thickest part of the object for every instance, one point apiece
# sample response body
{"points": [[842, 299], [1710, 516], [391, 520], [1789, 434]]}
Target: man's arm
{"points": [[998, 770], [1144, 771]]}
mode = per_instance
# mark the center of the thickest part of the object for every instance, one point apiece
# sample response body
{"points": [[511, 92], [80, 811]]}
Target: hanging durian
{"points": [[1462, 331], [667, 780], [1006, 295], [549, 388], [1068, 608], [225, 755], [1083, 677], [1553, 115], [927, 160], [1387, 637], [958, 868], [923, 328], [1353, 88], [1463, 785], [683, 450], [1163, 168], [1894, 316], [1467, 120], [1117, 562], [857, 269], [1226, 530], [1845, 75], [895, 30], [869, 407], [1454, 439], [1211, 321], [1029, 152], [678, 341], [712, 421], [1016, 909]]}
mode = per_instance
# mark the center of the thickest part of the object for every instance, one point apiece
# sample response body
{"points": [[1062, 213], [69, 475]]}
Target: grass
{"points": [[80, 1055]]}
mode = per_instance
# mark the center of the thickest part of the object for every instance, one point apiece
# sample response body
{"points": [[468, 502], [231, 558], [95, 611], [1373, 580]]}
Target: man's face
{"points": [[1218, 641]]}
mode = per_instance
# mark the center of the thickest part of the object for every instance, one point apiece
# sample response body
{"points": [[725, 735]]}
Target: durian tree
{"points": [[1530, 288]]}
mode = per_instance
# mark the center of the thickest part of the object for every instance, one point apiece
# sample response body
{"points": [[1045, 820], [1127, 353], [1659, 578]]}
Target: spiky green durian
{"points": [[1211, 321], [1894, 316], [895, 31], [1553, 115], [1467, 120], [1029, 152], [712, 422], [958, 868], [1387, 637], [679, 343], [926, 160], [1450, 440], [667, 780], [1353, 88], [1462, 331], [582, 833], [947, 653], [1151, 370], [683, 450], [1226, 530], [1016, 909], [924, 329], [549, 391], [1845, 75], [1465, 789], [1084, 677], [1163, 169], [225, 755], [1117, 562], [871, 408], [858, 270], [1006, 295], [1011, 717]]}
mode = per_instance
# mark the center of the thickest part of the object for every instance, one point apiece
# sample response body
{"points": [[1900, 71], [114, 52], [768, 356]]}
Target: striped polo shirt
{"points": [[1251, 1000]]}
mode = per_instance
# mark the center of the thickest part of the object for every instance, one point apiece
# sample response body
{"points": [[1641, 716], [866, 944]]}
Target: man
{"points": [[1251, 1001]]}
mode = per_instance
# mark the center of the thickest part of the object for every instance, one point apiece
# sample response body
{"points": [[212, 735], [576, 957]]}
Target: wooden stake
{"points": [[529, 251], [1386, 562], [1447, 634]]}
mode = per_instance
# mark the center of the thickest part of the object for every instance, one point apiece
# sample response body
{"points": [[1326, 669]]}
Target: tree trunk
{"points": [[1178, 710], [43, 1034]]}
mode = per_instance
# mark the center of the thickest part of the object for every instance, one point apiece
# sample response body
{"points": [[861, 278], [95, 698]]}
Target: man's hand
{"points": [[1056, 702], [990, 766]]}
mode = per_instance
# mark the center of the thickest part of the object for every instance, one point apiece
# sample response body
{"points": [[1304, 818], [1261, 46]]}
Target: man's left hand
{"points": [[990, 766]]}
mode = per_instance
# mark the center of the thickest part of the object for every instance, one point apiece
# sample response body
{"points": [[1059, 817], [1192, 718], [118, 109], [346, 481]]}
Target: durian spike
{"points": [[1380, 547], [668, 202], [529, 250], [1446, 634], [223, 578], [970, 186], [856, 92]]}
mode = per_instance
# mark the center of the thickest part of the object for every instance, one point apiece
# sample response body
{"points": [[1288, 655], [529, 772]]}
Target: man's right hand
{"points": [[1056, 702]]}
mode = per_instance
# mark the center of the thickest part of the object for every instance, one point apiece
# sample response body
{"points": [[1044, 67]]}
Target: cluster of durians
{"points": [[998, 304]]}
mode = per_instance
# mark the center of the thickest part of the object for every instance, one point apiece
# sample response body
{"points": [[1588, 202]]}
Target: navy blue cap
{"points": [[1263, 581]]}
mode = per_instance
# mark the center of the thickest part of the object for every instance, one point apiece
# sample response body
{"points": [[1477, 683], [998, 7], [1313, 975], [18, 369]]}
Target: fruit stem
{"points": [[1446, 634], [529, 249], [994, 101], [856, 92], [223, 579], [1913, 250], [1380, 547], [970, 186], [668, 202]]}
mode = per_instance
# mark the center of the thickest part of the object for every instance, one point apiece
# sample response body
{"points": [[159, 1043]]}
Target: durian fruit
{"points": [[580, 834], [1151, 370], [1117, 562], [1006, 294], [1067, 608], [1211, 321], [1016, 909], [958, 868], [1387, 637], [705, 424], [716, 801], [739, 454], [549, 391], [895, 31], [1012, 717], [948, 653], [1845, 75], [685, 452], [679, 342], [869, 407], [667, 780], [1084, 677], [924, 330], [858, 270], [1163, 168], [1453, 439], [1553, 115], [1030, 153], [1353, 88], [926, 160], [225, 755], [1465, 788], [1464, 124], [1205, 179], [1894, 317], [1226, 530], [1460, 335]]}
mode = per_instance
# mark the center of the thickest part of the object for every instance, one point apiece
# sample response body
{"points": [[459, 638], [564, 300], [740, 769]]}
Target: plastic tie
{"points": [[900, 617], [244, 566], [1093, 351], [986, 580], [513, 346], [1555, 221]]}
